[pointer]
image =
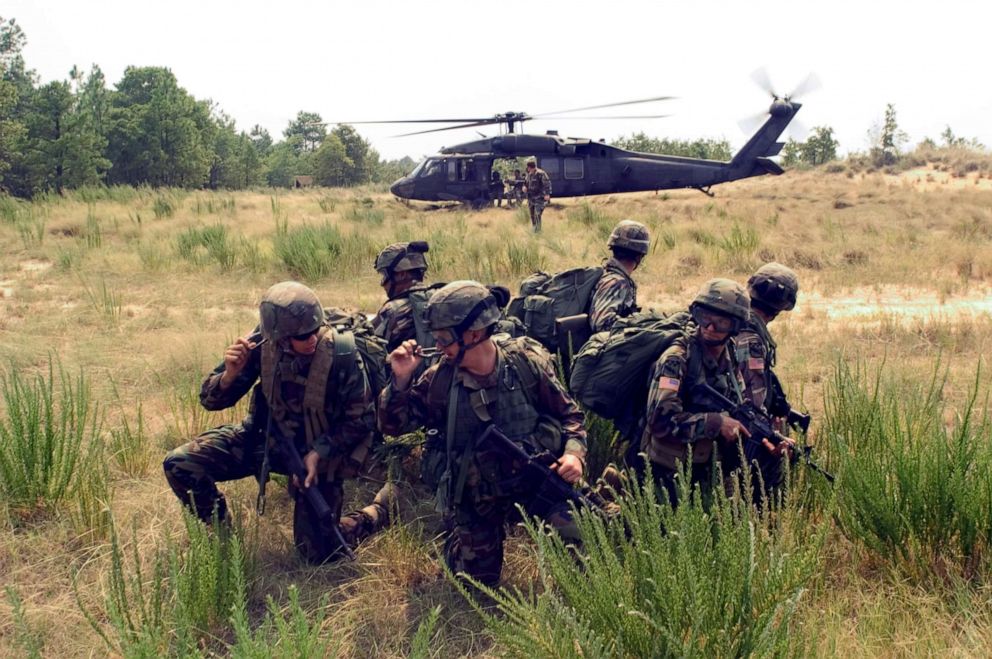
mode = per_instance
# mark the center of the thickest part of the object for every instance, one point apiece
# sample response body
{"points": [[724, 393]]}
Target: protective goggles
{"points": [[306, 336], [444, 338], [706, 318]]}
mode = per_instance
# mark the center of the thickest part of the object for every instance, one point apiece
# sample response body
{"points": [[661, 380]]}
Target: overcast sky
{"points": [[262, 62]]}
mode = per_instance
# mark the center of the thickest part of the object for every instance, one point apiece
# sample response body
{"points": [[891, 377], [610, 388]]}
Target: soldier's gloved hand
{"points": [[732, 430], [235, 359], [404, 362], [569, 467]]}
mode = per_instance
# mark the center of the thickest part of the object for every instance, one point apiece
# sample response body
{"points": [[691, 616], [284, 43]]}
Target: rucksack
{"points": [[419, 297], [354, 331], [610, 372], [545, 298]]}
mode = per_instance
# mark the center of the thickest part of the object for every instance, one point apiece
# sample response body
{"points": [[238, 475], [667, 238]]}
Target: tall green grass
{"points": [[284, 633], [174, 600], [722, 582], [915, 487], [203, 245], [26, 639], [314, 252], [50, 432]]}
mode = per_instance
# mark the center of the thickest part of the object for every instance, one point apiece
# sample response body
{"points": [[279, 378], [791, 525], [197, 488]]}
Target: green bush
{"points": [[201, 245], [163, 206], [913, 489], [313, 252], [49, 435], [284, 633], [722, 582], [175, 600]]}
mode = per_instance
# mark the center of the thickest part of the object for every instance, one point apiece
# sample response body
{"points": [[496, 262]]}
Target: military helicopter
{"points": [[578, 166]]}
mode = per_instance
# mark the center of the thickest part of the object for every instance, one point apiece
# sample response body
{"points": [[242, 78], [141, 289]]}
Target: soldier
{"points": [[773, 289], [402, 267], [482, 381], [538, 187], [615, 295], [304, 399], [515, 196], [496, 188], [679, 418]]}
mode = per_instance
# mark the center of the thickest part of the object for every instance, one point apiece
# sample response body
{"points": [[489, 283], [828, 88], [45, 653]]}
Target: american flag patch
{"points": [[756, 364], [671, 384]]}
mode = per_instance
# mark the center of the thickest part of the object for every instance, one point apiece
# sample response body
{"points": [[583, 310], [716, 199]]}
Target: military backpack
{"points": [[610, 373], [544, 298], [354, 332]]}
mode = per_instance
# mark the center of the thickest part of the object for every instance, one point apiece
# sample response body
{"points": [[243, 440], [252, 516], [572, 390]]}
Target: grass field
{"points": [[116, 302]]}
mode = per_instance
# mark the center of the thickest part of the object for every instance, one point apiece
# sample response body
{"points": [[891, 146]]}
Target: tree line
{"points": [[148, 130]]}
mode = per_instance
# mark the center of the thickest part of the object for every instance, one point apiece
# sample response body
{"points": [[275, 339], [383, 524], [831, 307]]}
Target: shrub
{"points": [[284, 633], [49, 435], [722, 582], [200, 245], [912, 489]]}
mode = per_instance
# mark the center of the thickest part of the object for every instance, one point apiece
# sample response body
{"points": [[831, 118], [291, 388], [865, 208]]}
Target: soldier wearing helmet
{"points": [[299, 397], [679, 418], [482, 379], [773, 289], [615, 295], [401, 267]]}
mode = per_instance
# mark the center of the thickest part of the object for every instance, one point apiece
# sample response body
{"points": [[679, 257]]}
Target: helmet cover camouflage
{"points": [[775, 286], [455, 304], [630, 235], [400, 257], [726, 297], [289, 309]]}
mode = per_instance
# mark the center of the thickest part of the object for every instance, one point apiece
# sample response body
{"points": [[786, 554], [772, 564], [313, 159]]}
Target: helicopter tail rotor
{"points": [[781, 105]]}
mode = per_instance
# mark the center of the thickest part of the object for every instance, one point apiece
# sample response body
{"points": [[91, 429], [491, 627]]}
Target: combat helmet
{"points": [[725, 297], [461, 306], [289, 309], [630, 235], [400, 257], [774, 286]]}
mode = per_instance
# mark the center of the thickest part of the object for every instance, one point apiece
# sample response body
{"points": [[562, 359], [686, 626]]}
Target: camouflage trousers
{"points": [[666, 482], [536, 206], [229, 453], [766, 474], [474, 541]]}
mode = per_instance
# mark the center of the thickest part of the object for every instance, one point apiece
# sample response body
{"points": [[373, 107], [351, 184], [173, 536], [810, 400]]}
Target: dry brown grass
{"points": [[136, 316]]}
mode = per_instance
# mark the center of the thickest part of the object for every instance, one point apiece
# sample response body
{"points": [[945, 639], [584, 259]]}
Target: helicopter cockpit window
{"points": [[574, 168], [431, 167], [416, 170], [552, 167]]}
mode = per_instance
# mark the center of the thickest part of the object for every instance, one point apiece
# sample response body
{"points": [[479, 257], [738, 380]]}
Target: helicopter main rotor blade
{"points": [[474, 124], [409, 121], [760, 78], [608, 105], [640, 116]]}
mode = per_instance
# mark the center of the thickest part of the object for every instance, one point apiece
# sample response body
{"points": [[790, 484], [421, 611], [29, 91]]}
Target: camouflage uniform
{"points": [[679, 418], [394, 322], [615, 296], [773, 287], [524, 399], [231, 452], [538, 185]]}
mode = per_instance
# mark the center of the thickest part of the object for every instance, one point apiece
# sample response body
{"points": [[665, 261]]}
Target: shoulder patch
{"points": [[756, 364], [667, 383]]}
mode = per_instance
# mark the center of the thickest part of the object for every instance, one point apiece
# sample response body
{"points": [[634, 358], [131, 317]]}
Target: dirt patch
{"points": [[35, 265]]}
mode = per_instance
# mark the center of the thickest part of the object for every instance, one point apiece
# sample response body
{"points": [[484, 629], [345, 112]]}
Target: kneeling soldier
{"points": [[483, 382], [311, 416]]}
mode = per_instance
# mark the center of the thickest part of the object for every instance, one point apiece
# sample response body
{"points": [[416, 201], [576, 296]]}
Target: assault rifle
{"points": [[552, 489], [778, 405], [314, 498], [760, 426]]}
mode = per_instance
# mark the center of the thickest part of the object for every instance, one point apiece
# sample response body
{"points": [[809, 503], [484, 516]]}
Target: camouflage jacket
{"points": [[757, 344], [394, 322], [402, 411], [615, 296], [677, 416], [349, 409], [538, 184]]}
